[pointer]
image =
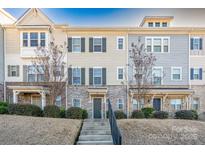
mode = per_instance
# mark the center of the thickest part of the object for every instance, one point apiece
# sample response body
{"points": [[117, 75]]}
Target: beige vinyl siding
{"points": [[111, 59]]}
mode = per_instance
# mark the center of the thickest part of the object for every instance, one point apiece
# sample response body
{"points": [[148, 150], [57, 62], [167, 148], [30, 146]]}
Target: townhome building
{"points": [[5, 18], [98, 64]]}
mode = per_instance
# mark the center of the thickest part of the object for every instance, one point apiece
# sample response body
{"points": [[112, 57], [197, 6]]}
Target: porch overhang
{"points": [[29, 89], [97, 91]]}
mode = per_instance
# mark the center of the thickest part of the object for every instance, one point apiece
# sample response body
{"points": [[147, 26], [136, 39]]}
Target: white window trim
{"points": [[120, 67], [162, 70], [120, 37], [172, 68], [96, 67], [101, 44], [73, 102], [162, 43], [76, 67], [123, 103], [73, 37], [39, 38], [196, 37], [14, 70]]}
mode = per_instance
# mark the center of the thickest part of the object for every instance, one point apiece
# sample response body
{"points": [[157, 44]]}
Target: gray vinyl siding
{"points": [[1, 55], [178, 56]]}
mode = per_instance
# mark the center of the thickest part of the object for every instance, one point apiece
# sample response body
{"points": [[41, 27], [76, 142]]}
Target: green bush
{"points": [[3, 107], [74, 113], [25, 109], [52, 111], [120, 114], [186, 114], [62, 112], [85, 114], [147, 112], [160, 115], [137, 114]]}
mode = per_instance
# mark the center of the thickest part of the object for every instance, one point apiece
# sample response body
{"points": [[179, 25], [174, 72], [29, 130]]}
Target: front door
{"points": [[97, 108], [157, 104]]}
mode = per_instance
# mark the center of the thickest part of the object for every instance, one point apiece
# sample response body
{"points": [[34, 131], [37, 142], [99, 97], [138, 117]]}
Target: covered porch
{"points": [[36, 95]]}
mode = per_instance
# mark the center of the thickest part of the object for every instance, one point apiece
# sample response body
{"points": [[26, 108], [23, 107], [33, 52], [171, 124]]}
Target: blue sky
{"points": [[116, 17]]}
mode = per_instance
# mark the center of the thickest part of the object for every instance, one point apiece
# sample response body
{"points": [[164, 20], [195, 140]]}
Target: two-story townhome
{"points": [[5, 18], [197, 68], [169, 88], [98, 58], [24, 84]]}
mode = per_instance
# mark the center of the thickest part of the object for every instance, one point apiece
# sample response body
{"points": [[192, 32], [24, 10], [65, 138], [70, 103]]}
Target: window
{"points": [[97, 76], [150, 24], [97, 44], [195, 43], [157, 75], [120, 104], [176, 73], [176, 104], [13, 70], [157, 44], [196, 74], [164, 24], [76, 102], [33, 39], [31, 74], [76, 76], [157, 24], [25, 39], [58, 101], [134, 105], [149, 45], [42, 39], [76, 44], [120, 73], [195, 104], [35, 74], [40, 73], [120, 43]]}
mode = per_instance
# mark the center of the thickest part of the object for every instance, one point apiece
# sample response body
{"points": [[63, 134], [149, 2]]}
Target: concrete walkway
{"points": [[95, 132]]}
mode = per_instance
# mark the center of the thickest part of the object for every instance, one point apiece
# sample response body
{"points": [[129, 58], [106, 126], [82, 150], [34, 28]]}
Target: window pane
{"points": [[25, 36], [76, 76], [34, 43], [164, 24], [157, 24], [58, 101], [25, 39], [97, 42], [43, 36], [157, 45], [76, 102], [150, 24], [34, 36], [31, 77], [120, 43], [157, 76], [97, 48], [120, 73]]}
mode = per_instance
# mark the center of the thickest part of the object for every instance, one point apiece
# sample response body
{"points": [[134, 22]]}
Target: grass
{"points": [[162, 132], [25, 130]]}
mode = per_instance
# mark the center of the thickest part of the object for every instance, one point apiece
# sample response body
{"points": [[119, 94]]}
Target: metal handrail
{"points": [[115, 131]]}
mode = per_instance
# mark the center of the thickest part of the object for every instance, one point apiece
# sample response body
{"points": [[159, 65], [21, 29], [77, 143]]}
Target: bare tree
{"points": [[50, 63], [142, 63]]}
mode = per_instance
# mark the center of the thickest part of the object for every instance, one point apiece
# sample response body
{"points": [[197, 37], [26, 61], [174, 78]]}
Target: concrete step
{"points": [[95, 138], [95, 143], [95, 132], [96, 128]]}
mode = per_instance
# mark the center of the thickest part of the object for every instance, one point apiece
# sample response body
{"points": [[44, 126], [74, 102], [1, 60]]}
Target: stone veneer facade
{"points": [[1, 92]]}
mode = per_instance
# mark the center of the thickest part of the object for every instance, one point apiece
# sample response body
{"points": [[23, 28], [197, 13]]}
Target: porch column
{"points": [[15, 96], [43, 99]]}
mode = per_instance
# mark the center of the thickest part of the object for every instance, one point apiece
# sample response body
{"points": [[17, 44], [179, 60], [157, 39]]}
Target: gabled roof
{"points": [[169, 18], [9, 18], [36, 11]]}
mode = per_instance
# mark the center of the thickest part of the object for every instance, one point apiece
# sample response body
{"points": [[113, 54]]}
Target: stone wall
{"points": [[1, 92]]}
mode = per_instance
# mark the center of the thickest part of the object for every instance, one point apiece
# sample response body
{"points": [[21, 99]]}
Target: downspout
{"points": [[66, 105], [4, 59], [127, 82]]}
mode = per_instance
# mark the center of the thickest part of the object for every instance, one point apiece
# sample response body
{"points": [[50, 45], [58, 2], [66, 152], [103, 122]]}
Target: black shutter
{"points": [[82, 44], [82, 76], [9, 70], [104, 76], [70, 44], [17, 69], [192, 43], [104, 44], [90, 44], [91, 76], [25, 73], [201, 43], [192, 74], [70, 76]]}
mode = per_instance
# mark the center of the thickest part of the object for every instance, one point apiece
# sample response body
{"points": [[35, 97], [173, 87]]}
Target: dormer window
{"points": [[157, 24], [150, 24], [164, 24], [34, 39]]}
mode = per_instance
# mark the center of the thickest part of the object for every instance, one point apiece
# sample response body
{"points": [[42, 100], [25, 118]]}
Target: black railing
{"points": [[116, 135]]}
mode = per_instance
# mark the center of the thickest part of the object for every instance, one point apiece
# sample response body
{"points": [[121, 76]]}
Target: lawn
{"points": [[37, 130], [162, 132]]}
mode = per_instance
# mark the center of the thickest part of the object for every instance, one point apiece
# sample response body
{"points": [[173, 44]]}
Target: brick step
{"points": [[95, 143], [95, 138]]}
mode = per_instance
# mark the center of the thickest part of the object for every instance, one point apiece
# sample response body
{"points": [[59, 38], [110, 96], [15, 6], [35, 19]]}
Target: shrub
{"points": [[25, 109], [62, 112], [137, 114], [85, 114], [120, 114], [51, 111], [160, 115], [3, 107], [186, 114], [147, 112], [74, 113]]}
